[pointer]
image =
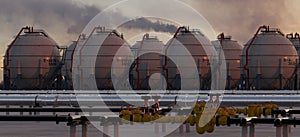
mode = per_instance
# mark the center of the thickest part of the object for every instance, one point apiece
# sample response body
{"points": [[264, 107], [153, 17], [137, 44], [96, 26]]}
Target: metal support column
{"points": [[40, 74], [85, 130], [285, 131], [181, 129], [177, 80], [72, 130], [280, 74], [117, 129], [278, 131], [244, 131], [156, 128], [164, 127], [7, 113], [187, 128], [199, 71], [252, 131], [21, 113], [228, 76], [105, 130]]}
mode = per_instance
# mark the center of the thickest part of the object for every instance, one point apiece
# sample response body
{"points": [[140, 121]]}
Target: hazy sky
{"points": [[65, 19]]}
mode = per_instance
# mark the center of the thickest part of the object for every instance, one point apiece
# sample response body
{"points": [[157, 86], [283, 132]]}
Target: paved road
{"points": [[39, 129]]}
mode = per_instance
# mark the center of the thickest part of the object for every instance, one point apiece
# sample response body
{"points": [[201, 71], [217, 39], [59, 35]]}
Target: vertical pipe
{"points": [[246, 67], [84, 130], [278, 131], [166, 52], [252, 130], [245, 131]]}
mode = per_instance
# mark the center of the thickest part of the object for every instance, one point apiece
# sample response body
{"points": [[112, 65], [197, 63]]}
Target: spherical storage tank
{"points": [[232, 52], [268, 61], [31, 61], [199, 48], [107, 43], [147, 53]]}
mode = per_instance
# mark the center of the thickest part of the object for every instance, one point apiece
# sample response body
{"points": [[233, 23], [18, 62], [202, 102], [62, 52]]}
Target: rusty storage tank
{"points": [[268, 61], [232, 52], [199, 47], [32, 61], [147, 53]]}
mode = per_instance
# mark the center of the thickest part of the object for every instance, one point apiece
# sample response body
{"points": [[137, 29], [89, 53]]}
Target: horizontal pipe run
{"points": [[187, 100], [201, 92], [274, 121], [162, 111]]}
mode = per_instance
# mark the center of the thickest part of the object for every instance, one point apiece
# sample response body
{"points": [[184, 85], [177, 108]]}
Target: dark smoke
{"points": [[149, 25], [48, 12], [241, 18]]}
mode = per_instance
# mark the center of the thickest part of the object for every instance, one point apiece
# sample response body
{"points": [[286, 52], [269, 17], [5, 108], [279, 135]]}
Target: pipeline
{"points": [[246, 67], [166, 52]]}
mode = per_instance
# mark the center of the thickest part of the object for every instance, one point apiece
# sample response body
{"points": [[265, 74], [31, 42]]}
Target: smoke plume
{"points": [[242, 18]]}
